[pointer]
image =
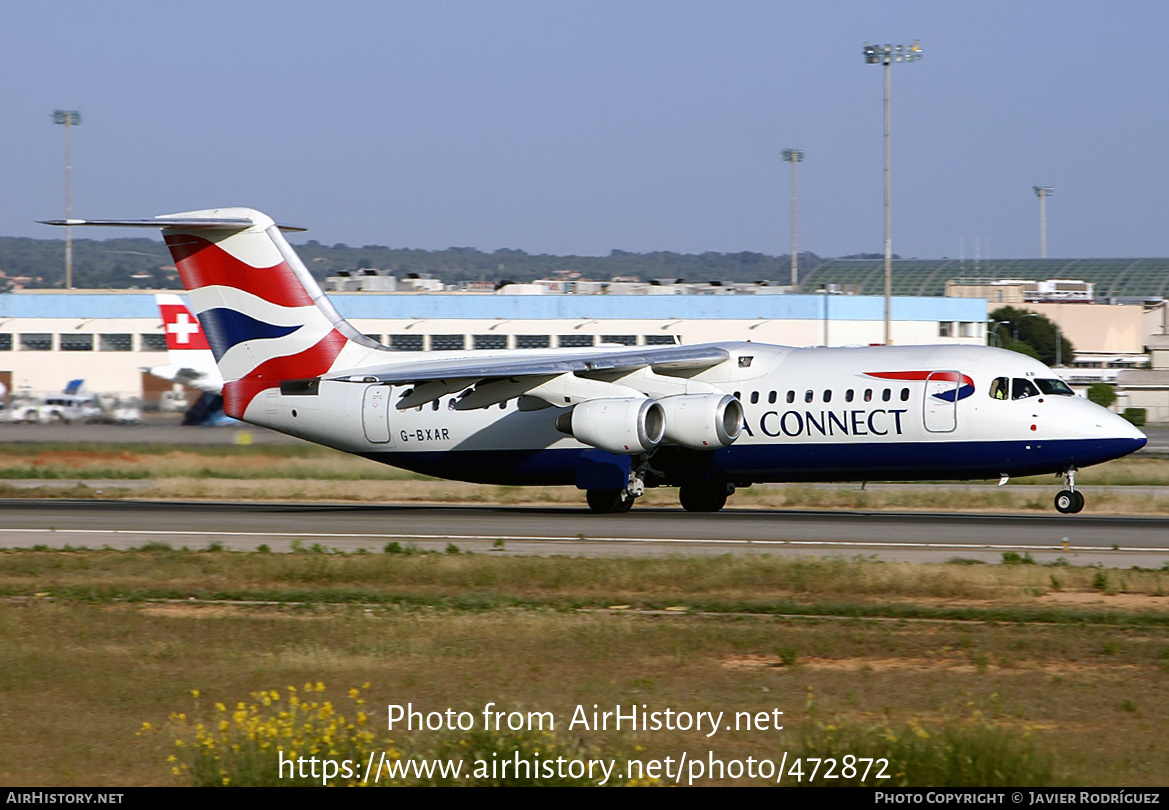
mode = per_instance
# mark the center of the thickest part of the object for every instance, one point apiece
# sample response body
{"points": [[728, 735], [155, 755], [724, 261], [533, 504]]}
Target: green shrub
{"points": [[1136, 416], [1102, 394], [1015, 558], [955, 755]]}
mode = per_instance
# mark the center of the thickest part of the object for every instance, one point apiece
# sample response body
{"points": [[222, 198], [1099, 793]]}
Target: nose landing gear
{"points": [[1069, 501]]}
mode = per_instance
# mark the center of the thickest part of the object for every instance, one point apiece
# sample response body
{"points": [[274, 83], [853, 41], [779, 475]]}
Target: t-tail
{"points": [[264, 315]]}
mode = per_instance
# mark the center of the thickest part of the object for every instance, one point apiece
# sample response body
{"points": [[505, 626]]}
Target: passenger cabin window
{"points": [[905, 395], [848, 395], [754, 397], [886, 395], [868, 395], [771, 398], [827, 396], [791, 396], [808, 396]]}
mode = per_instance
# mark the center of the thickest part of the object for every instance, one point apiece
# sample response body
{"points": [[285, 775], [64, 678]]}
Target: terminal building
{"points": [[111, 338]]}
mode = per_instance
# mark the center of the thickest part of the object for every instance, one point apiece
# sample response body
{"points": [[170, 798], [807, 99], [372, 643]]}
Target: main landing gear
{"points": [[616, 501], [1069, 501], [694, 497], [609, 501], [704, 497]]}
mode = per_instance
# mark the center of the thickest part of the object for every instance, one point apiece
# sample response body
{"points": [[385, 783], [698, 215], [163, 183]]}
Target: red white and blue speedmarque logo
{"points": [[963, 389], [261, 323]]}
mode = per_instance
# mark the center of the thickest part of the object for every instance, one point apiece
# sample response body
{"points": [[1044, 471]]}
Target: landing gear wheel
{"points": [[609, 501], [703, 498], [1069, 502]]}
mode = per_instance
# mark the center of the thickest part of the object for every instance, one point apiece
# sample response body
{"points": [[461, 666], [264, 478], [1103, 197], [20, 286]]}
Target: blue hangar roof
{"points": [[540, 307]]}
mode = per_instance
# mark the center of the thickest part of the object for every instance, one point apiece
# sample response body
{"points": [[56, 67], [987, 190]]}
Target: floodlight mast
{"points": [[886, 55], [794, 156], [70, 118], [1043, 192]]}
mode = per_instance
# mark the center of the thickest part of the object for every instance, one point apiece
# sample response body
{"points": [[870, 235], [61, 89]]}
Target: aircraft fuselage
{"points": [[812, 414]]}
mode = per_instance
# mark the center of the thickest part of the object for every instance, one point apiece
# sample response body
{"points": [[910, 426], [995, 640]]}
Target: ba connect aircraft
{"points": [[705, 418]]}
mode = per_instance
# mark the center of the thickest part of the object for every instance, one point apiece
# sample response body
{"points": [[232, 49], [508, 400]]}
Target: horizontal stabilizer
{"points": [[208, 223]]}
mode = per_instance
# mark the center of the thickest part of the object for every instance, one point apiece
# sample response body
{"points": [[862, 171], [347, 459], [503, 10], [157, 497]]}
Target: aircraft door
{"points": [[375, 413], [940, 409]]}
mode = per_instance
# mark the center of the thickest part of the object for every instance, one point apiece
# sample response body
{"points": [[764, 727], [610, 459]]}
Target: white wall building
{"points": [[108, 338]]}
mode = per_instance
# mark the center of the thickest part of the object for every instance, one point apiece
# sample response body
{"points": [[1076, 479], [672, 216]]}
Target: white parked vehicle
{"points": [[124, 412], [22, 409], [68, 408]]}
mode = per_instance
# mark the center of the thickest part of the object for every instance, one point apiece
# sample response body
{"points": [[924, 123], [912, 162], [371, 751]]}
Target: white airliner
{"points": [[706, 418]]}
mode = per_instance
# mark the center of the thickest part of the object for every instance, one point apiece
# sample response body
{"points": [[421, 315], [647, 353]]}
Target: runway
{"points": [[903, 536]]}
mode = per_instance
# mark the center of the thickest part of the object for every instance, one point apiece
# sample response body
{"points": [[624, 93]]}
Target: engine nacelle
{"points": [[702, 421], [622, 426]]}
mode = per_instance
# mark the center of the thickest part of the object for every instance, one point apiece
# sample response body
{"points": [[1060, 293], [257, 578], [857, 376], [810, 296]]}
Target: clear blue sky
{"points": [[579, 127]]}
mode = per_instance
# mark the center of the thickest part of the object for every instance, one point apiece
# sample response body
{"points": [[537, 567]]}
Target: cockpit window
{"points": [[999, 388], [1056, 387], [1021, 389]]}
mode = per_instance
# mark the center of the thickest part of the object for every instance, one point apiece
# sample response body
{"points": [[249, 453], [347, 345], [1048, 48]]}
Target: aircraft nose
{"points": [[1119, 429]]}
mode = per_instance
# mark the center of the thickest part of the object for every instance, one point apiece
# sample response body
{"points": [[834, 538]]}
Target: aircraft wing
{"points": [[561, 362], [557, 377]]}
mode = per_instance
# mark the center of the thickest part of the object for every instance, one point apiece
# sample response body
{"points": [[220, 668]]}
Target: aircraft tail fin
{"points": [[264, 316]]}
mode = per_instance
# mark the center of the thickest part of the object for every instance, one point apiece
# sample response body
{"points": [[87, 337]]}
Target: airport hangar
{"points": [[108, 338]]}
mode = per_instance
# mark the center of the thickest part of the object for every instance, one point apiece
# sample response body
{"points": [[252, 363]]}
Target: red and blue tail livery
{"points": [[260, 320], [615, 421]]}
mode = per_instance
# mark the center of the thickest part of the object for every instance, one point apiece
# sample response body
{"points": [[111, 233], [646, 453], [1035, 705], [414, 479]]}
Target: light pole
{"points": [[1043, 192], [794, 156], [70, 118], [994, 330], [886, 55]]}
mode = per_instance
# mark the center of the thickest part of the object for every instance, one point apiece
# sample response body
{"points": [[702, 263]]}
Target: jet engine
{"points": [[622, 426], [702, 421]]}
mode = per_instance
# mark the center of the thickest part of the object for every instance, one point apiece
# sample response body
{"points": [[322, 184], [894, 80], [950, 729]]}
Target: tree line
{"points": [[141, 263]]}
